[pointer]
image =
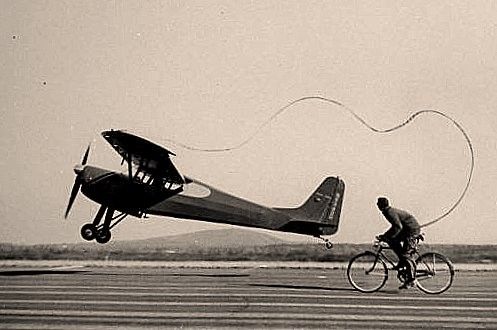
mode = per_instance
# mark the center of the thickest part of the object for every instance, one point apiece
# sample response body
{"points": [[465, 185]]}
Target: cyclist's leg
{"points": [[396, 247], [410, 247]]}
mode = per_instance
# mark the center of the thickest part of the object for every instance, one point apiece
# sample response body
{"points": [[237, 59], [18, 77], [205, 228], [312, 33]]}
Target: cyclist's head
{"points": [[382, 203]]}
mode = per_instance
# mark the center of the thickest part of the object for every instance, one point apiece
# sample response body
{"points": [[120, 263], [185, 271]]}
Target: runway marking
{"points": [[246, 304], [206, 288], [66, 267], [245, 315], [233, 294]]}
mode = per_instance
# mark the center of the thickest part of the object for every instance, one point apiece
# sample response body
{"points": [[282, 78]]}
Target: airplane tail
{"points": [[320, 213]]}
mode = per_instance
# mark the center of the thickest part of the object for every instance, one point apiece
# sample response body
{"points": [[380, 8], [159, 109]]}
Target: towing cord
{"points": [[364, 123]]}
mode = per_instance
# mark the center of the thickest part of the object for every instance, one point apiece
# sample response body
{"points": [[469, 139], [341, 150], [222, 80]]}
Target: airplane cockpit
{"points": [[147, 163]]}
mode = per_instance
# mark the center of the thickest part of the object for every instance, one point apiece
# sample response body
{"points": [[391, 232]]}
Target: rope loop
{"points": [[364, 123]]}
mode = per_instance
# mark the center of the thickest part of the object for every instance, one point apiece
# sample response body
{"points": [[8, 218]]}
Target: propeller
{"points": [[78, 170]]}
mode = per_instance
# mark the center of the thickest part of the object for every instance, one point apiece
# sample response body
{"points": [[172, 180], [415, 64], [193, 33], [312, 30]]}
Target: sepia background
{"points": [[209, 73]]}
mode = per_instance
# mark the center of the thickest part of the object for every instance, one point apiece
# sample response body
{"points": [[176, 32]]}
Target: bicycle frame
{"points": [[380, 255], [420, 274]]}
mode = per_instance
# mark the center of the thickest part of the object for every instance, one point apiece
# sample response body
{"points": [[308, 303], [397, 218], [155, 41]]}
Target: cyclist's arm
{"points": [[396, 227]]}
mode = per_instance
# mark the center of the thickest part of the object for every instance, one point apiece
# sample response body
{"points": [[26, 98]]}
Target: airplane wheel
{"points": [[103, 236], [88, 231], [328, 244]]}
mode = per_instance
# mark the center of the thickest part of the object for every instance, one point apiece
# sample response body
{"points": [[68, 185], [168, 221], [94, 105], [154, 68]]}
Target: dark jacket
{"points": [[403, 224]]}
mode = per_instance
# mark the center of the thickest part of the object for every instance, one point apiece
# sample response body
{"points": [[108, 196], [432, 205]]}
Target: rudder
{"points": [[320, 213]]}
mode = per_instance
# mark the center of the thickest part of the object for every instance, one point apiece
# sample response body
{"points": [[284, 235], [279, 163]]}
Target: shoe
{"points": [[407, 285]]}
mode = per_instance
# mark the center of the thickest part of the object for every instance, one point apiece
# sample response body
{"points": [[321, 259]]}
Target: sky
{"points": [[209, 73]]}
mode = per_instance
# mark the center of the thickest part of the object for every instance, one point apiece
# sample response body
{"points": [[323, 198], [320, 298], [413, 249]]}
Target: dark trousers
{"points": [[404, 248]]}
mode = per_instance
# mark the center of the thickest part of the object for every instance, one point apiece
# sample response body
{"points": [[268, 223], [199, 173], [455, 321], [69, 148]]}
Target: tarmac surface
{"points": [[252, 297]]}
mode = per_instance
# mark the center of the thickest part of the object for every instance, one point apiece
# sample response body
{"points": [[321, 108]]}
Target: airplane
{"points": [[153, 186]]}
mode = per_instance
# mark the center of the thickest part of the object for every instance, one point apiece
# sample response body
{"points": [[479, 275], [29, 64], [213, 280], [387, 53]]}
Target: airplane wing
{"points": [[147, 156]]}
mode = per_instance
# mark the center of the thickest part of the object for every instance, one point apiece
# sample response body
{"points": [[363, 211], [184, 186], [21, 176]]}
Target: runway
{"points": [[233, 298]]}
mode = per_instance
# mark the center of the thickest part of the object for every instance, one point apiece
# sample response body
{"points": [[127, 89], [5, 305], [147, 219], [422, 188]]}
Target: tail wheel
{"points": [[328, 244], [434, 273], [88, 231], [367, 272], [103, 236]]}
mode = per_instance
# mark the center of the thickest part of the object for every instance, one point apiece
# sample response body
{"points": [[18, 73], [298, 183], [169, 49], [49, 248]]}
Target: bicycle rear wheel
{"points": [[367, 272], [434, 273]]}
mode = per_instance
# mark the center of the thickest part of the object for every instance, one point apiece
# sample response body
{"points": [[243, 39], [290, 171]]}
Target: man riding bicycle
{"points": [[401, 237]]}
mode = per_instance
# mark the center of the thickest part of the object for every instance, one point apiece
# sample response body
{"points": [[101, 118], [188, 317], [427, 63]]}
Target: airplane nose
{"points": [[78, 169]]}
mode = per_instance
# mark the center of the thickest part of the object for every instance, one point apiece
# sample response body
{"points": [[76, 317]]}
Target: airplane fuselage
{"points": [[217, 206], [195, 201]]}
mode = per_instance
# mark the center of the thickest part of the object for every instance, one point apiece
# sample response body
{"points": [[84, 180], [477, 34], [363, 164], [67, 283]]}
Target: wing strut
{"points": [[130, 168]]}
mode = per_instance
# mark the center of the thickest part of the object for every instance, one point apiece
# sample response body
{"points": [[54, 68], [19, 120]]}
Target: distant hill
{"points": [[236, 244], [220, 238]]}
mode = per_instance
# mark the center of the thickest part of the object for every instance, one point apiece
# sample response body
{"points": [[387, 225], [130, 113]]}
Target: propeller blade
{"points": [[74, 193], [77, 183], [85, 157]]}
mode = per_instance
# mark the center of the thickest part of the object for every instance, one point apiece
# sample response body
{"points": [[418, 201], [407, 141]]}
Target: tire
{"points": [[88, 231], [367, 272], [434, 273], [103, 236], [328, 245]]}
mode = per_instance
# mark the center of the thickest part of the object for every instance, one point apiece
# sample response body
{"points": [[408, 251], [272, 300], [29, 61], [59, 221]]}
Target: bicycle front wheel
{"points": [[434, 273], [367, 272]]}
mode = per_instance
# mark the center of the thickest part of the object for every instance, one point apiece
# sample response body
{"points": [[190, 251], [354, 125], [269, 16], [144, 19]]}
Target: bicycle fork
{"points": [[374, 264]]}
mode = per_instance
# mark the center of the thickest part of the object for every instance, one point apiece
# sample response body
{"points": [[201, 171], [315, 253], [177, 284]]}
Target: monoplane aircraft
{"points": [[153, 186]]}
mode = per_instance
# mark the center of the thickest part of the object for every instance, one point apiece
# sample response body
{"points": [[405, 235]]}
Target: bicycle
{"points": [[368, 272]]}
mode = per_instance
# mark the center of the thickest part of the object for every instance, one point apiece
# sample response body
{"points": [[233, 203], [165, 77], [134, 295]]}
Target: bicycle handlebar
{"points": [[377, 242]]}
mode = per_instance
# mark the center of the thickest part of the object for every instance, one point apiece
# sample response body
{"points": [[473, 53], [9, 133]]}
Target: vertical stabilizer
{"points": [[331, 216], [320, 213]]}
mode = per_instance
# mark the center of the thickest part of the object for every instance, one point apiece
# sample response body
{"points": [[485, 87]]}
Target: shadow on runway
{"points": [[309, 287], [173, 274], [393, 291], [301, 287], [40, 272], [209, 275]]}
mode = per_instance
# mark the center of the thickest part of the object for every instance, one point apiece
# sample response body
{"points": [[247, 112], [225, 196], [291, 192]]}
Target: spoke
{"points": [[434, 266], [434, 273], [424, 277], [366, 272]]}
